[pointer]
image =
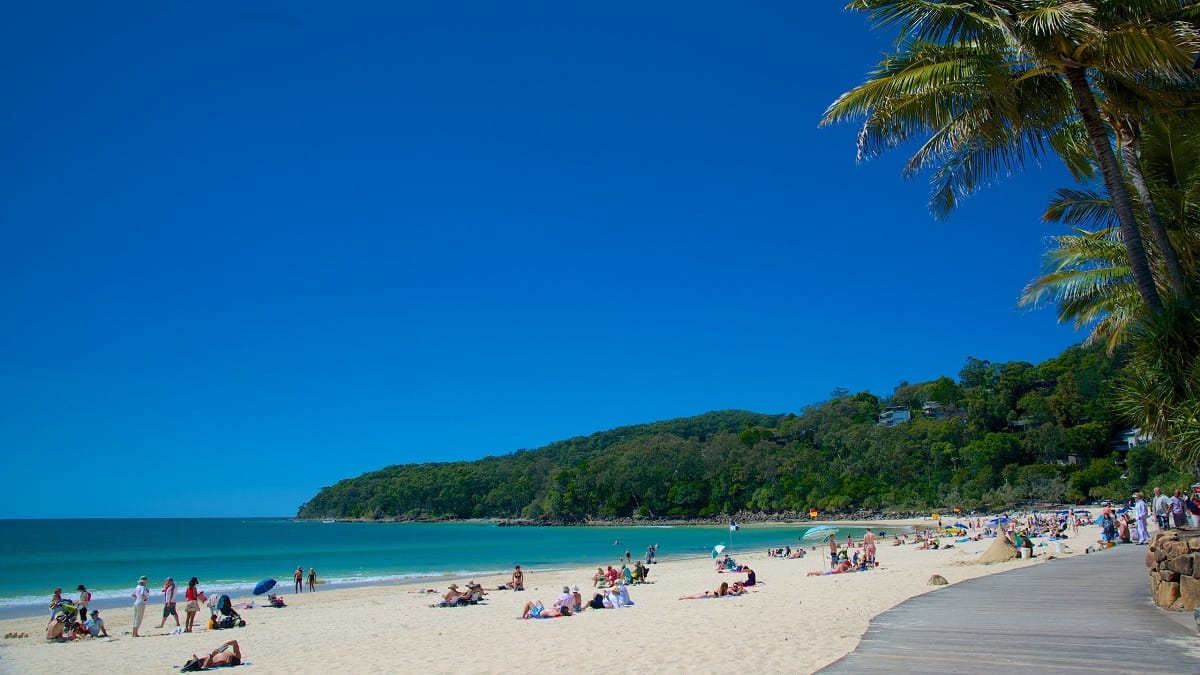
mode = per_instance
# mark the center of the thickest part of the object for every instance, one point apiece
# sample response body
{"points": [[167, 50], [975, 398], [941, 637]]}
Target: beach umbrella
{"points": [[718, 550], [264, 586], [819, 532]]}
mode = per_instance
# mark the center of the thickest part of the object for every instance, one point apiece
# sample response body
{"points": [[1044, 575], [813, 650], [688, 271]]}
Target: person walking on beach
{"points": [[168, 592], [298, 577], [1140, 514], [312, 580], [192, 596], [140, 596], [85, 598]]}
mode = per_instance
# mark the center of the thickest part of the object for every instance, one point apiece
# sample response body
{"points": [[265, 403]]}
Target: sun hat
{"points": [[143, 579], [575, 589], [95, 612], [80, 588], [453, 586]]}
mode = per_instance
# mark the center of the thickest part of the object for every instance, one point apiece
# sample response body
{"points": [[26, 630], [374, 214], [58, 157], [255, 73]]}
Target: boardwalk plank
{"points": [[1089, 613]]}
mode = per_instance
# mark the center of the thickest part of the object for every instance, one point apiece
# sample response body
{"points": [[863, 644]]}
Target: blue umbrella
{"points": [[264, 586]]}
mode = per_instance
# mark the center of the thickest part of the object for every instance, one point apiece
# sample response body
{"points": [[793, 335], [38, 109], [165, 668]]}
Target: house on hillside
{"points": [[893, 415]]}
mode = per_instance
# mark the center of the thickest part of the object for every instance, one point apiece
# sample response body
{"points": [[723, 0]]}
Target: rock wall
{"points": [[1174, 562]]}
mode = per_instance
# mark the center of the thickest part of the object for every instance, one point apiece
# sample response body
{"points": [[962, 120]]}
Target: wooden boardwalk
{"points": [[1084, 614]]}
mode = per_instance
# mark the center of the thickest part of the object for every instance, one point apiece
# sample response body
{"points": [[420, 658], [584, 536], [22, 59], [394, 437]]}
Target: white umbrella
{"points": [[718, 550], [819, 532]]}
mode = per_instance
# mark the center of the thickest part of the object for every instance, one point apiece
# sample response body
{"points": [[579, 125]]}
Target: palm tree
{"points": [[993, 82], [1087, 273], [1088, 278]]}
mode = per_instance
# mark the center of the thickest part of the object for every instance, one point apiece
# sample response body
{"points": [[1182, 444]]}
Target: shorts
{"points": [[193, 606], [168, 609]]}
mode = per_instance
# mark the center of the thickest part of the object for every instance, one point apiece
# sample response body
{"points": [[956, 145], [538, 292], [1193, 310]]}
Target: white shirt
{"points": [[1139, 509], [614, 598], [140, 595], [1162, 505], [565, 600], [623, 593]]}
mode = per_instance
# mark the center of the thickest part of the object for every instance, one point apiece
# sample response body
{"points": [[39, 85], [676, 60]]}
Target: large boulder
{"points": [[1189, 592], [1167, 594], [1181, 564]]}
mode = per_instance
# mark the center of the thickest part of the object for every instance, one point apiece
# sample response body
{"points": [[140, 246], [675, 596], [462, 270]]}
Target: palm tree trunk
{"points": [[1085, 103], [1133, 165]]}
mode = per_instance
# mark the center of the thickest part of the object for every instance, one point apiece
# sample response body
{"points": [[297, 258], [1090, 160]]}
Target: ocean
{"points": [[229, 555]]}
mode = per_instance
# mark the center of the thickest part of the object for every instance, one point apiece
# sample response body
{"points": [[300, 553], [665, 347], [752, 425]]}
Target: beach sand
{"points": [[791, 623]]}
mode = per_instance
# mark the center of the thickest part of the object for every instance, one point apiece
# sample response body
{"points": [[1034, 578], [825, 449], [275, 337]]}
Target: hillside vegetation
{"points": [[1002, 433]]}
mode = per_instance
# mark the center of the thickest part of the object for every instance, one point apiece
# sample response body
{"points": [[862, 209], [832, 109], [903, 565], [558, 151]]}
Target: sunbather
{"points": [[227, 655], [841, 568], [536, 610], [722, 591]]}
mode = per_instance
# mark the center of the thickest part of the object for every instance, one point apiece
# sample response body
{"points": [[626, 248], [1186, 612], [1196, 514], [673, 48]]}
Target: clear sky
{"points": [[252, 248]]}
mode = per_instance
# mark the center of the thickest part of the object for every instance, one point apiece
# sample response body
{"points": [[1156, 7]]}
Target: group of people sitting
{"points": [[608, 578], [786, 552], [571, 602], [60, 629], [454, 597]]}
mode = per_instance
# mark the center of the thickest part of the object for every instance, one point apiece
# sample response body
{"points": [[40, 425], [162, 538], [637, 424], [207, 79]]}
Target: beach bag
{"points": [[229, 622]]}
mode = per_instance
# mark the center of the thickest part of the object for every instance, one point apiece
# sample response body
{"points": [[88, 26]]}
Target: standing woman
{"points": [[140, 596], [168, 592], [192, 595], [312, 580], [55, 600], [85, 598]]}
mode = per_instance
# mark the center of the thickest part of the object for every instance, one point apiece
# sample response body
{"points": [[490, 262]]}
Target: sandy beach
{"points": [[791, 623]]}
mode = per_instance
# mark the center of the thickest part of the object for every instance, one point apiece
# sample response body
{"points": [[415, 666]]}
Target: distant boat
{"points": [[328, 520]]}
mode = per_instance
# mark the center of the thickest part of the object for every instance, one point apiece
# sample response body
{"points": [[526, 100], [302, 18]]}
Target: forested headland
{"points": [[998, 435]]}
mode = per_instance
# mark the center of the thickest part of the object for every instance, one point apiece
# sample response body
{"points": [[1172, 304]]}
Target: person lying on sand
{"points": [[721, 592], [842, 568], [536, 610], [225, 656]]}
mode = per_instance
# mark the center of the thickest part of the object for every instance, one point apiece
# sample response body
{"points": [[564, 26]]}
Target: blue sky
{"points": [[253, 248]]}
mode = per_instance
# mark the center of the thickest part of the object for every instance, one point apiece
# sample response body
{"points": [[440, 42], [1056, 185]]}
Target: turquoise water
{"points": [[230, 554]]}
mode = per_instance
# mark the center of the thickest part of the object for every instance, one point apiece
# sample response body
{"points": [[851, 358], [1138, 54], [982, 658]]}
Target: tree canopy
{"points": [[999, 434]]}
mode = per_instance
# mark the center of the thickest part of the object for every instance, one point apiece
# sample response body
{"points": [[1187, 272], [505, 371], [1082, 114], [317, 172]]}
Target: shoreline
{"points": [[792, 623], [106, 597]]}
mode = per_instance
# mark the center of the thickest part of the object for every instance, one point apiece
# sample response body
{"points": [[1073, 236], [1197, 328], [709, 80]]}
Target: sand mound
{"points": [[1000, 551]]}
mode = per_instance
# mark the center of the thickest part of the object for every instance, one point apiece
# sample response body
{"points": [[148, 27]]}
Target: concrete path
{"points": [[1084, 614]]}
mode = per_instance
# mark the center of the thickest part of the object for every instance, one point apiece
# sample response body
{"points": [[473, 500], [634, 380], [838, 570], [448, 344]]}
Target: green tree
{"points": [[991, 82]]}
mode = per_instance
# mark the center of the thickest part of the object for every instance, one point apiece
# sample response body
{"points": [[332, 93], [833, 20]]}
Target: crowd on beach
{"points": [[612, 584], [70, 619]]}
